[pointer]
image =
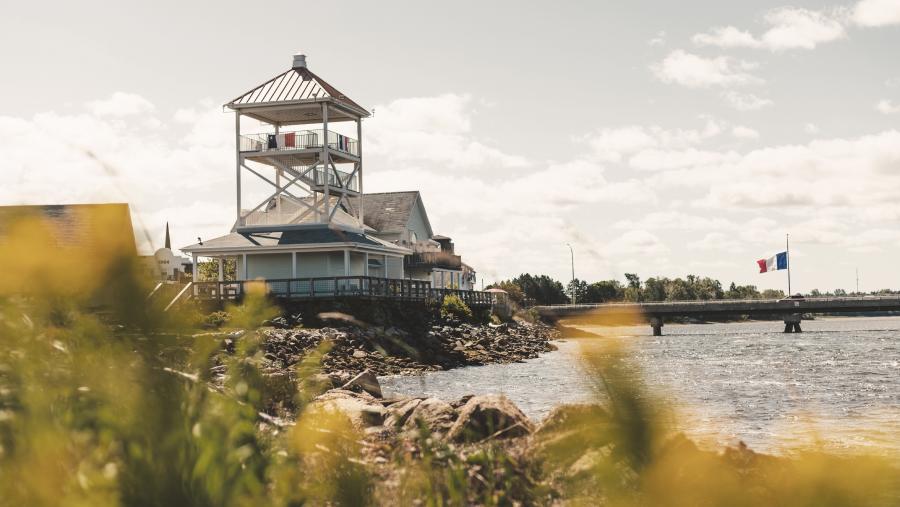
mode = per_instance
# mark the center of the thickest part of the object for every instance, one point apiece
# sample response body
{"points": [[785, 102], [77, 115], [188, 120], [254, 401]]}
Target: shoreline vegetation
{"points": [[107, 400], [527, 289]]}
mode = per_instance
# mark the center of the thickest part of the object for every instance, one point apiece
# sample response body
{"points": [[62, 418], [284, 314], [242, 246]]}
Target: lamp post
{"points": [[572, 252]]}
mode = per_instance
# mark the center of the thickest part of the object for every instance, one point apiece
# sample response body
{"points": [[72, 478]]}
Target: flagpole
{"points": [[787, 240]]}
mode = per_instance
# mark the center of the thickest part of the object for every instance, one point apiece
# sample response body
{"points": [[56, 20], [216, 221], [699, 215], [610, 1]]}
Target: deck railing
{"points": [[299, 140], [340, 286]]}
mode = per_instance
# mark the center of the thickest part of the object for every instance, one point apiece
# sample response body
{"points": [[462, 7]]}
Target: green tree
{"points": [[655, 289], [543, 289], [209, 270], [603, 291]]}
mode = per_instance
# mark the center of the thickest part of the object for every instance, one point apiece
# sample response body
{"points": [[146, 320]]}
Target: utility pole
{"points": [[572, 252], [857, 281]]}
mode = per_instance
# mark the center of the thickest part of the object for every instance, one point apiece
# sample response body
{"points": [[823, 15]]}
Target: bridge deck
{"points": [[732, 307]]}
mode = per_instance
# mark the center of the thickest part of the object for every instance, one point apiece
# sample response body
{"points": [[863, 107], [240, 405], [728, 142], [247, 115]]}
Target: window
{"points": [[412, 237]]}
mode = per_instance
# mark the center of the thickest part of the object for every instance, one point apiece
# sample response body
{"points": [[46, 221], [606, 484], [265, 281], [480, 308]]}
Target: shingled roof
{"points": [[388, 212]]}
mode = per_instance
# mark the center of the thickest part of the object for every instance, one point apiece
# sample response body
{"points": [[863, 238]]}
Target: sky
{"points": [[657, 138]]}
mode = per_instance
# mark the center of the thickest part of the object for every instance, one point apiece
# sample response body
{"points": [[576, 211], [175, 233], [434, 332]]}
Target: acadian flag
{"points": [[774, 263]]}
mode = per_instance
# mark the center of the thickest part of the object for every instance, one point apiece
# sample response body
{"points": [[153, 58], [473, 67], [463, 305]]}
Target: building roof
{"points": [[388, 212], [86, 225], [293, 237], [296, 85]]}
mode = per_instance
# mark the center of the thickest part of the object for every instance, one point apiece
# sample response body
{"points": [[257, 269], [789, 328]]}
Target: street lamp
{"points": [[571, 251]]}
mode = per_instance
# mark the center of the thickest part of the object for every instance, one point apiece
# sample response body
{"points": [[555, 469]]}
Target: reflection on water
{"points": [[838, 382]]}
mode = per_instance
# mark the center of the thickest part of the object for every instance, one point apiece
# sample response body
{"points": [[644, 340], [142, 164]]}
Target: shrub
{"points": [[455, 308]]}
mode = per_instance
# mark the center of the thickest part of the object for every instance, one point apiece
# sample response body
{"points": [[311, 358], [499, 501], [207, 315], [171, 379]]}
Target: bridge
{"points": [[790, 308]]}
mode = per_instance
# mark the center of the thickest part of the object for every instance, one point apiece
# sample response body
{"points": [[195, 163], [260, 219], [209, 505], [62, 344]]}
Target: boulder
{"points": [[362, 409], [489, 416], [365, 381], [399, 412], [436, 414]]}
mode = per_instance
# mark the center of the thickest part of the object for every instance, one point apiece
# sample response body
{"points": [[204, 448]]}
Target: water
{"points": [[838, 383]]}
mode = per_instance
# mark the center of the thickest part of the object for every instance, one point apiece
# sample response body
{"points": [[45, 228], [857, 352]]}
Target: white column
{"points": [[196, 273], [221, 269], [359, 173], [325, 159], [346, 262], [385, 267], [293, 264], [244, 267], [237, 154], [366, 263]]}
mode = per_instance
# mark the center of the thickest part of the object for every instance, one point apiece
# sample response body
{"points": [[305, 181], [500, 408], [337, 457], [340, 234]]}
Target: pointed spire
{"points": [[168, 241]]}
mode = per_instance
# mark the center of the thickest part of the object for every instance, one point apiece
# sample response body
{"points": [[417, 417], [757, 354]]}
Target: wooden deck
{"points": [[340, 287]]}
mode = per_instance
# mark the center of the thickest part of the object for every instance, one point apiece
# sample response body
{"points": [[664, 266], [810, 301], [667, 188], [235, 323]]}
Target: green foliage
{"points": [[453, 307], [515, 292], [209, 270], [541, 289], [216, 319]]}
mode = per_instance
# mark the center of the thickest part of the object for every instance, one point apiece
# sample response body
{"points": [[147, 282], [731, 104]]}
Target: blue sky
{"points": [[663, 138]]}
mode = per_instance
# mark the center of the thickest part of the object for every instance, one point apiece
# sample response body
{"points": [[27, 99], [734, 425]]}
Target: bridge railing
{"points": [[702, 302]]}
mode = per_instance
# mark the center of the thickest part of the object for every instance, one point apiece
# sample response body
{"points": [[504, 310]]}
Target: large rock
{"points": [[362, 409], [365, 381], [399, 412], [436, 414], [489, 416]]}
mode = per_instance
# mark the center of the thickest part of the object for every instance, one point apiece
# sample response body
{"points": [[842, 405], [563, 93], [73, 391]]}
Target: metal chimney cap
{"points": [[299, 61]]}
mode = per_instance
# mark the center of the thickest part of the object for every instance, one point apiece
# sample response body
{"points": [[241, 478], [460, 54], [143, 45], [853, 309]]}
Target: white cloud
{"points": [[636, 242], [727, 37], [102, 156], [877, 12], [613, 144], [695, 71], [659, 39], [661, 160], [887, 107], [811, 128], [742, 132], [717, 241], [120, 104], [433, 129], [789, 28], [745, 101]]}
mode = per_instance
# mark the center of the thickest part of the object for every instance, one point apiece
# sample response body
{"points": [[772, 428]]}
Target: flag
{"points": [[774, 263]]}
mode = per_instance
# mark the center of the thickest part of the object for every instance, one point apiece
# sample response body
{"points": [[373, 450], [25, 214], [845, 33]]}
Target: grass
{"points": [[121, 407]]}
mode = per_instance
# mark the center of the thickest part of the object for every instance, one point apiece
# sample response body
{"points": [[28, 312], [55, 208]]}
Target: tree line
{"points": [[527, 289]]}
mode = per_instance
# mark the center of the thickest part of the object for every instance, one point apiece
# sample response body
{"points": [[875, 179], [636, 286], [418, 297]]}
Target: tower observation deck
{"points": [[311, 167]]}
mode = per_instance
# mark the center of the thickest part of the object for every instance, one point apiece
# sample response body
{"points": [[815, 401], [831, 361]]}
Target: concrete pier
{"points": [[657, 324], [792, 323]]}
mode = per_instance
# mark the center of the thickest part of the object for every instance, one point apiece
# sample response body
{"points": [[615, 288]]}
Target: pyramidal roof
{"points": [[296, 85]]}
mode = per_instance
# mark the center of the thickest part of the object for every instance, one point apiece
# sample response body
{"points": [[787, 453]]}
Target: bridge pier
{"points": [[792, 323], [656, 323]]}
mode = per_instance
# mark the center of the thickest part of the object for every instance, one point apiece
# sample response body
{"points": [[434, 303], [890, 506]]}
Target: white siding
{"points": [[268, 266], [394, 267], [357, 264], [417, 223], [312, 265]]}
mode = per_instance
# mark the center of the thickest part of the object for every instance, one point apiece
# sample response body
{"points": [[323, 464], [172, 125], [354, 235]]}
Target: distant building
{"points": [[164, 265], [88, 226], [317, 222]]}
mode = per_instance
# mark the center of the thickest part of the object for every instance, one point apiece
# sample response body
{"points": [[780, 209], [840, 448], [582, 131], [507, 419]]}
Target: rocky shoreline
{"points": [[393, 351]]}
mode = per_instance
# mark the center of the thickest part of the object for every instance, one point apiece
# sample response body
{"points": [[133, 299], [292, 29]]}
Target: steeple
{"points": [[168, 239]]}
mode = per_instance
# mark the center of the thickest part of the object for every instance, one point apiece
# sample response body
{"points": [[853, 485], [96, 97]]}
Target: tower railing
{"points": [[298, 140]]}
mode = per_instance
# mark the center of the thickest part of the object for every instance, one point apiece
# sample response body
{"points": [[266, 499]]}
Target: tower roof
{"points": [[291, 90]]}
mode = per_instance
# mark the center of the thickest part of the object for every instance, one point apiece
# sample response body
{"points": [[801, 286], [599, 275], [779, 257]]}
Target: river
{"points": [[837, 383]]}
